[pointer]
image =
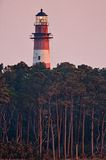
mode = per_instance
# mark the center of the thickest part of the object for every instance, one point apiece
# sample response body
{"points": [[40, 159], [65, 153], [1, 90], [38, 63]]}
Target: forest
{"points": [[52, 114]]}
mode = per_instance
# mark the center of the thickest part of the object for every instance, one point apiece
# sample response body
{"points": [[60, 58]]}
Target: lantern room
{"points": [[41, 18]]}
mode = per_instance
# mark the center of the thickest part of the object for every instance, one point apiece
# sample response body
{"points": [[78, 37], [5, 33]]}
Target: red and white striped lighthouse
{"points": [[41, 52]]}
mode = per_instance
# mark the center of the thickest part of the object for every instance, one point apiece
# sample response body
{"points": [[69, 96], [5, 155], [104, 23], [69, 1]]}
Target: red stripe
{"points": [[42, 44], [41, 29]]}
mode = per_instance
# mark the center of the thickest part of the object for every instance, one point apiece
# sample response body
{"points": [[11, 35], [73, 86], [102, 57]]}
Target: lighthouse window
{"points": [[38, 57]]}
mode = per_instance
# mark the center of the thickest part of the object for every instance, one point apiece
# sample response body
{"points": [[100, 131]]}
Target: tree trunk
{"points": [[58, 129], [92, 133], [19, 129], [69, 138], [102, 134], [98, 137], [53, 145], [78, 134], [48, 134], [40, 131], [5, 129], [28, 128], [65, 123], [83, 133], [52, 132], [76, 157], [72, 129], [34, 129]]}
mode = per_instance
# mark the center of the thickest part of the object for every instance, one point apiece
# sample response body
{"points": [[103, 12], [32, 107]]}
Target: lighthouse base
{"points": [[41, 56]]}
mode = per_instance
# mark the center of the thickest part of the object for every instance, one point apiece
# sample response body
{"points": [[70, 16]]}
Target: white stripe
{"points": [[43, 54]]}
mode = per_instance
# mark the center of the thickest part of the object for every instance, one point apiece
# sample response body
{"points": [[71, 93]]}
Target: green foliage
{"points": [[25, 91]]}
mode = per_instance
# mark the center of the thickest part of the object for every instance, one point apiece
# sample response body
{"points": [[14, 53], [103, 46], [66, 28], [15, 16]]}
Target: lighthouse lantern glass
{"points": [[41, 20]]}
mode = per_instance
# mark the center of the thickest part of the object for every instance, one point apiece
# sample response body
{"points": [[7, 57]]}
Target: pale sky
{"points": [[78, 27]]}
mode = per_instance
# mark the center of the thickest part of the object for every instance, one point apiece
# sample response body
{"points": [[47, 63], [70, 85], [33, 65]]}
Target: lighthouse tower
{"points": [[41, 52]]}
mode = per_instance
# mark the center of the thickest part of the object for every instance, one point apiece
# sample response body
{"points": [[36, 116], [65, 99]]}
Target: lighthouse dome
{"points": [[41, 13]]}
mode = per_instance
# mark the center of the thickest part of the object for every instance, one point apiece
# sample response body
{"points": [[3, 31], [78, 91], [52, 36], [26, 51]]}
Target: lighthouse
{"points": [[41, 51]]}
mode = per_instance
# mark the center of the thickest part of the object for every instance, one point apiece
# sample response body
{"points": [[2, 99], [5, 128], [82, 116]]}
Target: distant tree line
{"points": [[58, 113]]}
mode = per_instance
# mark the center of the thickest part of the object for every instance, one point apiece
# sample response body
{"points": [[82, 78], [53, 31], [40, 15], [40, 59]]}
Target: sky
{"points": [[78, 28]]}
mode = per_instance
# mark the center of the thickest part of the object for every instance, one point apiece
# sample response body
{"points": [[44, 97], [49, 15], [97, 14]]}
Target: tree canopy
{"points": [[59, 112]]}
